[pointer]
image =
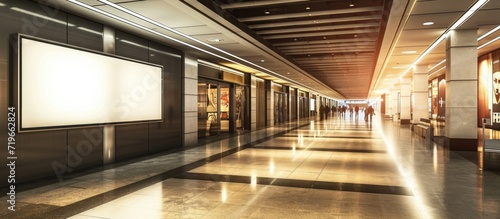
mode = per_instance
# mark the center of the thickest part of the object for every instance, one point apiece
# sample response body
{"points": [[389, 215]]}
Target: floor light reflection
{"points": [[406, 173]]}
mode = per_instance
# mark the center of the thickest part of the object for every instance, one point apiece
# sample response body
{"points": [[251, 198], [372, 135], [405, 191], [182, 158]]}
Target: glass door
{"points": [[224, 107], [240, 98], [214, 101], [208, 121]]}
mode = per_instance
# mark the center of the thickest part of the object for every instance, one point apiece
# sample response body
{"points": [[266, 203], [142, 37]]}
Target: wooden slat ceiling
{"points": [[334, 41]]}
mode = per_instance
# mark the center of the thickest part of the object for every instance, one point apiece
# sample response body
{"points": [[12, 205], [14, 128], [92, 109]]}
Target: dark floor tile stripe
{"points": [[335, 136], [321, 149], [337, 186], [86, 204], [342, 129]]}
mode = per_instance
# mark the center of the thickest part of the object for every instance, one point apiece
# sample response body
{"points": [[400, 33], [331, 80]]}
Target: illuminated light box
{"points": [[61, 86], [312, 104]]}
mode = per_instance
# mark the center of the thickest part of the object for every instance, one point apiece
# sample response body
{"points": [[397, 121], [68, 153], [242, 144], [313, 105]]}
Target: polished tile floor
{"points": [[335, 168]]}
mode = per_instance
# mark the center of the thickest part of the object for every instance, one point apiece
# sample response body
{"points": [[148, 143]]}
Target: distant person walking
{"points": [[321, 111], [369, 113], [327, 111]]}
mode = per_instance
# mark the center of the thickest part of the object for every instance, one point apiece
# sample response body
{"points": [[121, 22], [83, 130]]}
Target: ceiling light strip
{"points": [[488, 33], [256, 4], [437, 71], [189, 37], [149, 30], [460, 21], [152, 31], [213, 65], [181, 34], [479, 4], [489, 42], [41, 16], [395, 40], [438, 64]]}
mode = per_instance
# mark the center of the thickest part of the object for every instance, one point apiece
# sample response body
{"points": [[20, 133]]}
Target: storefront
{"points": [[222, 102], [293, 103], [437, 97], [489, 88], [304, 104], [280, 104]]}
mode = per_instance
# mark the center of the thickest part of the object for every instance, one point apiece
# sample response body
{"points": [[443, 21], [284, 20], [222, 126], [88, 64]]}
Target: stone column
{"points": [[297, 106], [190, 96], [270, 103], [461, 90], [395, 102], [288, 103], [405, 94], [108, 130], [388, 105], [420, 93], [253, 104]]}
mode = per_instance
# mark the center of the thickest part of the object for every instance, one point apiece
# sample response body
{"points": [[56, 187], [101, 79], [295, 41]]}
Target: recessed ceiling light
{"points": [[307, 8], [355, 35], [428, 23], [267, 12], [409, 52], [351, 5], [215, 40], [262, 60]]}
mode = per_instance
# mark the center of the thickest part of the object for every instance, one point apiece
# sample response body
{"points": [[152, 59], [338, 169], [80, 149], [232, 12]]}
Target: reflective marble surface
{"points": [[335, 168]]}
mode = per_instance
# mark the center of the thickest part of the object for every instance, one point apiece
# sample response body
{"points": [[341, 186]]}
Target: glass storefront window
{"points": [[239, 106], [213, 108]]}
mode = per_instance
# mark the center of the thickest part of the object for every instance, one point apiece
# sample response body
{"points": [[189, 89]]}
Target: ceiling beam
{"points": [[322, 28], [250, 4], [315, 13], [316, 21], [329, 49], [326, 33], [323, 52], [327, 45], [299, 42]]}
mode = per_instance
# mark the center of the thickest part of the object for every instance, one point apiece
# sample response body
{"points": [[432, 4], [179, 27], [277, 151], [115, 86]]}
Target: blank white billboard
{"points": [[61, 86]]}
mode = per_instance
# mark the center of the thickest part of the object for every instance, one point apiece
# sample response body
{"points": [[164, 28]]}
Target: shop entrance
{"points": [[280, 108], [213, 108]]}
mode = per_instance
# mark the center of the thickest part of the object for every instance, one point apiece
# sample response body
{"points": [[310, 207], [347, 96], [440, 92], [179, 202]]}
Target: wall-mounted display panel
{"points": [[61, 86], [312, 105]]}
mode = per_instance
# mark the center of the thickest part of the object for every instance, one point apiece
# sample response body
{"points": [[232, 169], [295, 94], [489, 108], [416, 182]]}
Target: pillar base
{"points": [[405, 121], [460, 144]]}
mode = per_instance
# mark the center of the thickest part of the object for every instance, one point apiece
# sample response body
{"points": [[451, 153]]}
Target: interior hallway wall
{"points": [[55, 153]]}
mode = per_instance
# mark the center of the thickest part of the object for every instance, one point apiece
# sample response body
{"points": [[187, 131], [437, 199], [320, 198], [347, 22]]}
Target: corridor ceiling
{"points": [[343, 49]]}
